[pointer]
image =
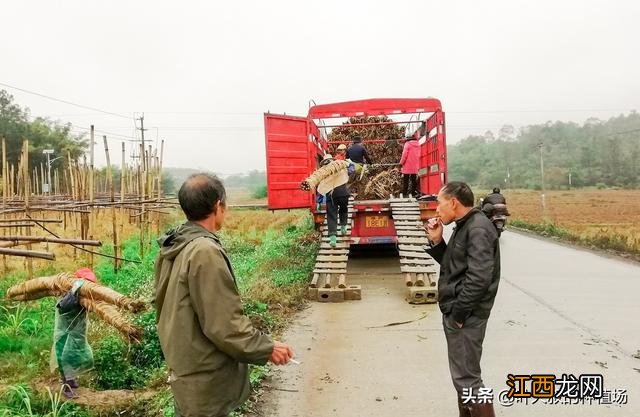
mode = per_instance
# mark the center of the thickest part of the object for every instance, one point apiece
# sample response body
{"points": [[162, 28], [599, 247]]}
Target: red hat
{"points": [[85, 273]]}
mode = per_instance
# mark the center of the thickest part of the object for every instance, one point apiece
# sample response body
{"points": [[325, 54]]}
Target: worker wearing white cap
{"points": [[337, 198]]}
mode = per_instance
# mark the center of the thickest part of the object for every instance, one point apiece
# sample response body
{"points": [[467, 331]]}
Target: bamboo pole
{"points": [[12, 179], [56, 183], [66, 182], [140, 174], [109, 173], [29, 220], [71, 177], [115, 238], [25, 166], [85, 180], [43, 181], [160, 169], [5, 193], [5, 179], [123, 169], [25, 171], [81, 242], [150, 177], [28, 254], [36, 182], [91, 190]]}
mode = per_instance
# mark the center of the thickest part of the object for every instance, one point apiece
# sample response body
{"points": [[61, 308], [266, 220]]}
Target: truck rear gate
{"points": [[294, 147]]}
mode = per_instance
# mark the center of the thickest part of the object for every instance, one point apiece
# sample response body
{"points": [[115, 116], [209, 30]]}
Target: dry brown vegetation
{"points": [[100, 228], [590, 214]]}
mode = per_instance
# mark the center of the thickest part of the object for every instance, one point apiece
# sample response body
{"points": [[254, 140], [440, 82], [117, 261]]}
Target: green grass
{"points": [[21, 401], [272, 267], [25, 334]]}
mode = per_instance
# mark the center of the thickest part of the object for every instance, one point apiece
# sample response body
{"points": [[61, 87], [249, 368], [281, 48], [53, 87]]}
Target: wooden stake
{"points": [[5, 180], [109, 174], [28, 253], [160, 170], [123, 171], [115, 239], [91, 190]]}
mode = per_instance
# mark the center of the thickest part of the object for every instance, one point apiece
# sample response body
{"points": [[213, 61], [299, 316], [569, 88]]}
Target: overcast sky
{"points": [[204, 72]]}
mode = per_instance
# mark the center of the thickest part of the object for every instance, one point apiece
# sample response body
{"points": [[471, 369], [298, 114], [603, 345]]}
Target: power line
{"points": [[65, 101], [534, 111], [130, 138]]}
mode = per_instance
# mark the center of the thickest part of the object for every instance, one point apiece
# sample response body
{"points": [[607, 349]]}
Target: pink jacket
{"points": [[410, 160]]}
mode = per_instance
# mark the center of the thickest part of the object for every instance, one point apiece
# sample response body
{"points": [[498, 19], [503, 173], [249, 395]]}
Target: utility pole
{"points": [[47, 189], [142, 129], [143, 188], [542, 197]]}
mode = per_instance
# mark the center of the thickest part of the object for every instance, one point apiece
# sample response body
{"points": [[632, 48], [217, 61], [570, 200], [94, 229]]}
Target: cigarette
{"points": [[294, 361]]}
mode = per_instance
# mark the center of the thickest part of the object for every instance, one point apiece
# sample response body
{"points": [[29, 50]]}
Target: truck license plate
{"points": [[377, 221]]}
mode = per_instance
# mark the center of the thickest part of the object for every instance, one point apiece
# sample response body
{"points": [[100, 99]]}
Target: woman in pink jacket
{"points": [[410, 163]]}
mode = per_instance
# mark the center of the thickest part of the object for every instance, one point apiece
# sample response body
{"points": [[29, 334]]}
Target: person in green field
{"points": [[206, 339], [71, 354]]}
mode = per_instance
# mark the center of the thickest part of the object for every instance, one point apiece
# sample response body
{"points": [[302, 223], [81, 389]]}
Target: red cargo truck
{"points": [[295, 145]]}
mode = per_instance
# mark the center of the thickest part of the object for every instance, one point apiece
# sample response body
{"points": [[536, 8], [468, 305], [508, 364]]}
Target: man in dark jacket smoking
{"points": [[467, 287]]}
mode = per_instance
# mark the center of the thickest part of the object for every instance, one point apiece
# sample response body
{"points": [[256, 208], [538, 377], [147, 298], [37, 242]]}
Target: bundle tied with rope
{"points": [[101, 300], [322, 173]]}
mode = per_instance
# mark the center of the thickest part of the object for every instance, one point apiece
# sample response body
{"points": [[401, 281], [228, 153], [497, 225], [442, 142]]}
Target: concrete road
{"points": [[559, 310]]}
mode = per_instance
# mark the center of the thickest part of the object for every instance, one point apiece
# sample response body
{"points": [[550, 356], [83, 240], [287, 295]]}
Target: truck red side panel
{"points": [[290, 156], [433, 158]]}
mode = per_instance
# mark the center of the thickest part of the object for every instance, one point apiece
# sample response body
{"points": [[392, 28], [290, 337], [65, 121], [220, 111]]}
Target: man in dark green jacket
{"points": [[467, 287], [206, 339]]}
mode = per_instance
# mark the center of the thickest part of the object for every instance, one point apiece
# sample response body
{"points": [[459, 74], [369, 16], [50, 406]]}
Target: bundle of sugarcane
{"points": [[384, 184], [321, 173], [112, 316], [95, 297], [60, 284], [385, 153]]}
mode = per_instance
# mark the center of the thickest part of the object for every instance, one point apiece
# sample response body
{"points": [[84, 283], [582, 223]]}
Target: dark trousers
{"points": [[464, 348], [336, 207], [409, 184]]}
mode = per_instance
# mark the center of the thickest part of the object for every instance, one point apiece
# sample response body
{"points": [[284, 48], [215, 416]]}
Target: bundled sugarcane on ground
{"points": [[379, 181], [103, 301]]}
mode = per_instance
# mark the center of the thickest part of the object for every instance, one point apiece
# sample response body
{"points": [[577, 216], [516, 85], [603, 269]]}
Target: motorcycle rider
{"points": [[491, 200]]}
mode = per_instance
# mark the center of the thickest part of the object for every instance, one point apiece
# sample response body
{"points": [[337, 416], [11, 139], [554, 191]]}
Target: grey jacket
{"points": [[469, 268]]}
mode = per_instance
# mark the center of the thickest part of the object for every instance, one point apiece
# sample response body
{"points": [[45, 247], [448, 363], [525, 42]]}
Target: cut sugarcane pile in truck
{"points": [[378, 212]]}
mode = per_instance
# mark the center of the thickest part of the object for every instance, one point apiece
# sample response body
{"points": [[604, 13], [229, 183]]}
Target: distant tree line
{"points": [[252, 180], [16, 124], [596, 153]]}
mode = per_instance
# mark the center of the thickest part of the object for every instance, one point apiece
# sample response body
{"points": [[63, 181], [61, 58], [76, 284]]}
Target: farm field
{"points": [[272, 255], [609, 219]]}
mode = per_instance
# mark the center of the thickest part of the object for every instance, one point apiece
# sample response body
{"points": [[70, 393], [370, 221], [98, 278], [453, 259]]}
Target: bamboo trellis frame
{"points": [[78, 193]]}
